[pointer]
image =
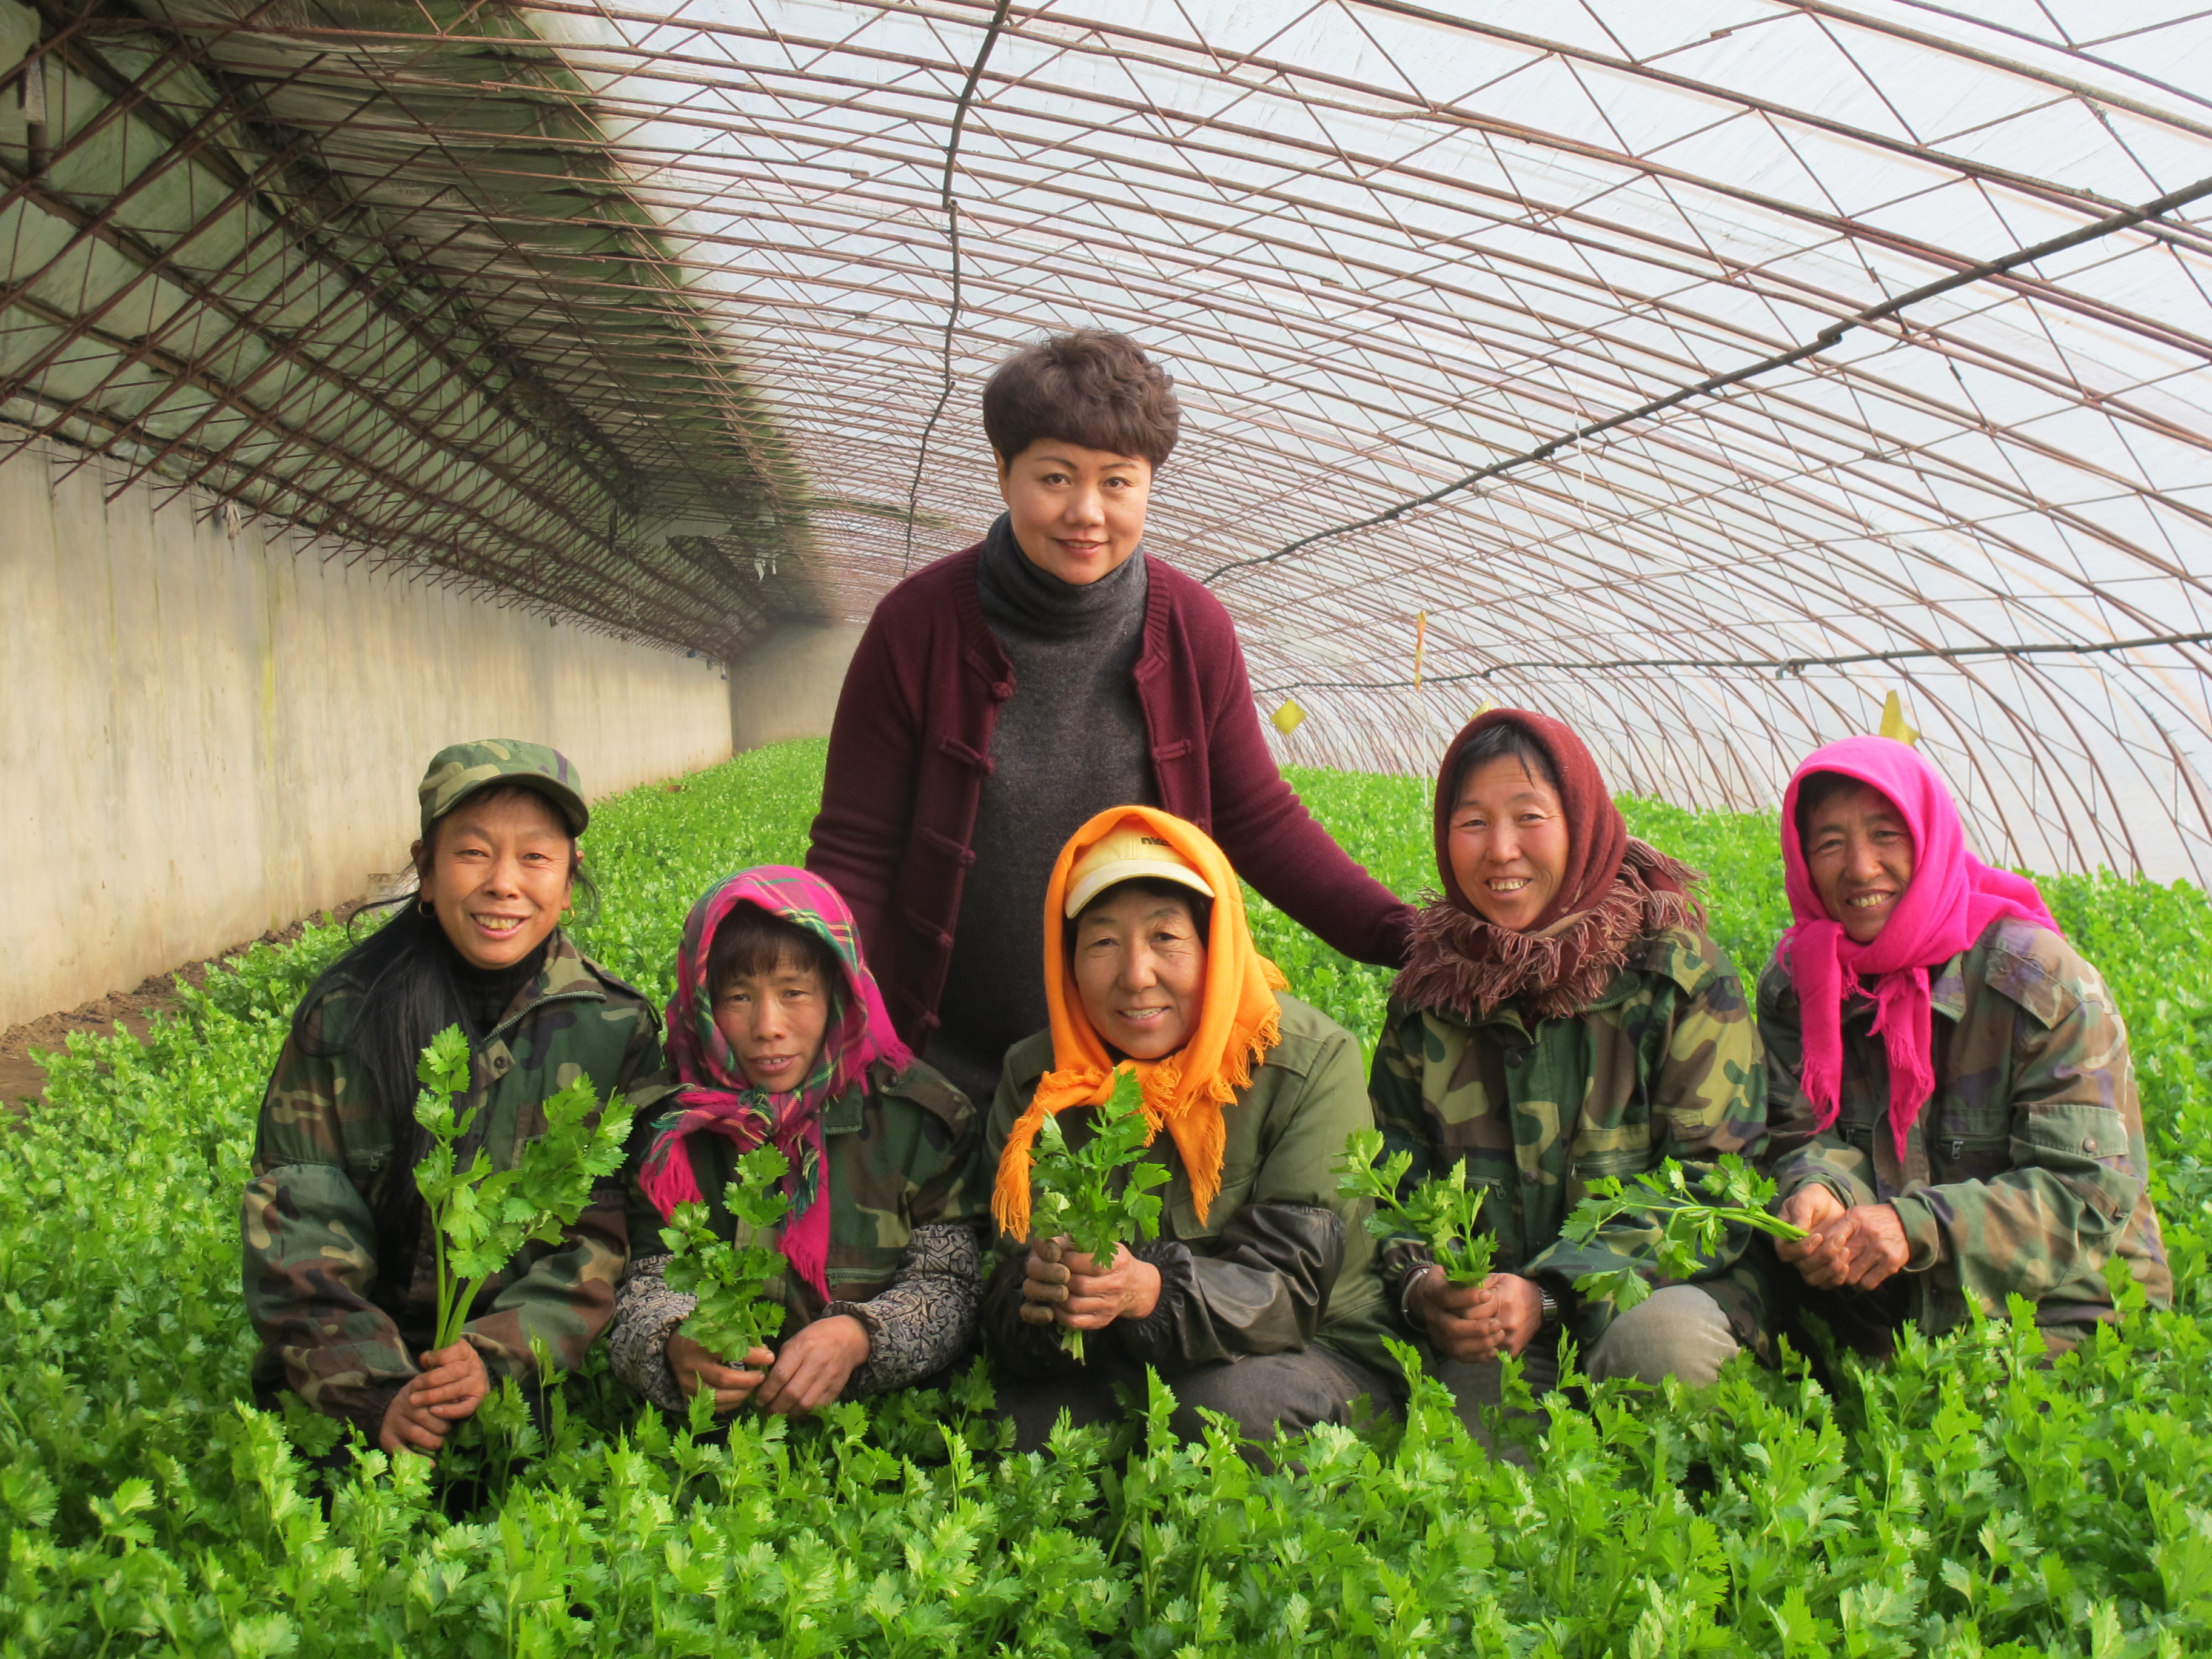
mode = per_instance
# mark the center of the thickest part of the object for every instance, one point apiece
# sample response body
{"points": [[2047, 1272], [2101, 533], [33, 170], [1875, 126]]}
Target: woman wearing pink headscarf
{"points": [[1953, 1109], [778, 1037]]}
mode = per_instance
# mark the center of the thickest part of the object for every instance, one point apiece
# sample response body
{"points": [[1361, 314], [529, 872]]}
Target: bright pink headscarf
{"points": [[1951, 898], [718, 1099]]}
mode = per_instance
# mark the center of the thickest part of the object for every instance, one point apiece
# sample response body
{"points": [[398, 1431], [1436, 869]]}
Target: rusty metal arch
{"points": [[616, 309]]}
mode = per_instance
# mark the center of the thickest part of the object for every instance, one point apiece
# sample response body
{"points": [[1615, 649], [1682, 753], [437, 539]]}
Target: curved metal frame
{"points": [[1382, 247]]}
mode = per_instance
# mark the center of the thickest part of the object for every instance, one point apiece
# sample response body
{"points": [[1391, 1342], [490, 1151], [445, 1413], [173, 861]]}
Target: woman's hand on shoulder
{"points": [[695, 1369], [1063, 1286]]}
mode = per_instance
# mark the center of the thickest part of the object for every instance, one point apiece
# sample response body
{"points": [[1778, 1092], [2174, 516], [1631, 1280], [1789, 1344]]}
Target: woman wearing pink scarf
{"points": [[1953, 1109], [779, 1037]]}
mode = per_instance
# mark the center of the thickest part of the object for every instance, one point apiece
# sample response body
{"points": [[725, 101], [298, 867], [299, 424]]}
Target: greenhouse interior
{"points": [[1702, 385]]}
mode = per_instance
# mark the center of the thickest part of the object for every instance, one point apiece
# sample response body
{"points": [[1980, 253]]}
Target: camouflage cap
{"points": [[458, 772]]}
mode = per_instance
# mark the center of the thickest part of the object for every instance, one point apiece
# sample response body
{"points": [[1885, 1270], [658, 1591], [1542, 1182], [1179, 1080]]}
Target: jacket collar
{"points": [[1947, 993], [566, 975]]}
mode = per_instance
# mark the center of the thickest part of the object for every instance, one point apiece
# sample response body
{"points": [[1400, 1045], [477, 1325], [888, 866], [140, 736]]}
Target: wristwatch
{"points": [[1551, 1306]]}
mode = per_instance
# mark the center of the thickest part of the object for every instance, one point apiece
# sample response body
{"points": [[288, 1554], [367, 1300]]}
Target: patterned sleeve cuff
{"points": [[647, 1314], [365, 1407], [1924, 1239], [926, 1319]]}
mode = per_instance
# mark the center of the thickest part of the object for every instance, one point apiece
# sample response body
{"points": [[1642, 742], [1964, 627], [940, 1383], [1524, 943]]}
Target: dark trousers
{"points": [[1261, 1393], [1864, 1322]]}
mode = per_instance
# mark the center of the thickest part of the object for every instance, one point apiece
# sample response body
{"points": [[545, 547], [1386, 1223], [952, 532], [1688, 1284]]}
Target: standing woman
{"points": [[340, 1273], [1954, 1112], [1563, 1015], [1002, 696]]}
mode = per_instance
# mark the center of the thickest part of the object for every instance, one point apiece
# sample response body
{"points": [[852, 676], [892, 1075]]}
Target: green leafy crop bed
{"points": [[1959, 1501]]}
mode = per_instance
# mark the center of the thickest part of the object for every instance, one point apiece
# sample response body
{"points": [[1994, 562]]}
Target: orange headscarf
{"points": [[1237, 1022]]}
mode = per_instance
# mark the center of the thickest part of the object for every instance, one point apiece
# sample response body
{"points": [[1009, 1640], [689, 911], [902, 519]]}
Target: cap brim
{"points": [[565, 801], [1094, 882]]}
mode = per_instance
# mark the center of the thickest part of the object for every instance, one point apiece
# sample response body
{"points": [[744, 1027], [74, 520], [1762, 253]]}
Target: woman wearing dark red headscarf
{"points": [[1954, 1113], [1563, 1015]]}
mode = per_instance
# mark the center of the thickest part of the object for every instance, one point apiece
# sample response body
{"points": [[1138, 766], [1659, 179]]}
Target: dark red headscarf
{"points": [[1615, 890]]}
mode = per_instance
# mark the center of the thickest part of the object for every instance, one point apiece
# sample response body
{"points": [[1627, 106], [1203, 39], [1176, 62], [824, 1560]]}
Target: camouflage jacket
{"points": [[342, 1305], [1665, 1064], [2028, 1168], [900, 1154], [1281, 1259]]}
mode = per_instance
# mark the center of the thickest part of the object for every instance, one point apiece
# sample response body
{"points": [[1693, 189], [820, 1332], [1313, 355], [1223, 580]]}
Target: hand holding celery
{"points": [[732, 1318], [1690, 1227], [1074, 1190], [482, 1217]]}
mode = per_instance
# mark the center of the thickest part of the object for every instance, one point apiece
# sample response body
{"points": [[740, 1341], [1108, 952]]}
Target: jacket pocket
{"points": [[2069, 1134]]}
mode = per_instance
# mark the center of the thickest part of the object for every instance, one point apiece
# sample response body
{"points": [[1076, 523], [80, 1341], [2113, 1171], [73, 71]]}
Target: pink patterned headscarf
{"points": [[1951, 898], [718, 1099]]}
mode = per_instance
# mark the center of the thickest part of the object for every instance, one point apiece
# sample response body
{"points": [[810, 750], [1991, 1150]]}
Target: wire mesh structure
{"points": [[1698, 372]]}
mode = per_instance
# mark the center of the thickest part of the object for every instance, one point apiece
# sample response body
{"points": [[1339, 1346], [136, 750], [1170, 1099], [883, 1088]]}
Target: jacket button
{"points": [[1529, 1176], [2090, 1145], [1001, 690]]}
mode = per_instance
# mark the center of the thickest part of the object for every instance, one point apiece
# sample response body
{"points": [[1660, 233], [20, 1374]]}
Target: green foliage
{"points": [[1073, 1190], [1967, 1498], [481, 1218], [1690, 1229], [1441, 1210], [734, 1316]]}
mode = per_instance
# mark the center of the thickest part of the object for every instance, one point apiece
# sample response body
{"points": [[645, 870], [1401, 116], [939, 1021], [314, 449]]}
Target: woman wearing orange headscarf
{"points": [[1257, 1299]]}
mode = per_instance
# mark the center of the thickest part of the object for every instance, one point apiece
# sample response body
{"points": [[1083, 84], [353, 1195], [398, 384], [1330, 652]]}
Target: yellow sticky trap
{"points": [[1488, 703], [1287, 719], [1892, 721], [1420, 645]]}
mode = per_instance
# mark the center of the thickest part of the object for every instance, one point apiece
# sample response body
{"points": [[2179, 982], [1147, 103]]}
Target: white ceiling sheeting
{"points": [[1383, 247]]}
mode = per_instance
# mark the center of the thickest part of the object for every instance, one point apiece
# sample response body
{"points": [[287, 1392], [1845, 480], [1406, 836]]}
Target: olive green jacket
{"points": [[1280, 1262]]}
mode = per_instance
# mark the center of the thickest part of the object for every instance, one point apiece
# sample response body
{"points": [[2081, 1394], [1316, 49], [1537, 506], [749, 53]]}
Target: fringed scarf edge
{"points": [[1459, 963]]}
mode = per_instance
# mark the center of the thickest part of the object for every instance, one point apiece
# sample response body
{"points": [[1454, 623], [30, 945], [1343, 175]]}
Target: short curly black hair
{"points": [[1089, 388]]}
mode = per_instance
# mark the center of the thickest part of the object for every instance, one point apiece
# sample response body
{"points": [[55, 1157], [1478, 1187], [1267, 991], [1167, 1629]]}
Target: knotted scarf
{"points": [[1951, 898], [716, 1097], [1238, 1021], [1615, 892]]}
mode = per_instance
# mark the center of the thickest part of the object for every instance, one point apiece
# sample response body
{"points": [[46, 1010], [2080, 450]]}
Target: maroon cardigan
{"points": [[912, 742]]}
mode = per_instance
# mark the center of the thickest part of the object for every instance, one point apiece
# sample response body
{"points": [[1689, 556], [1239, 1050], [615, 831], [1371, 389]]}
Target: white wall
{"points": [[787, 686], [203, 738]]}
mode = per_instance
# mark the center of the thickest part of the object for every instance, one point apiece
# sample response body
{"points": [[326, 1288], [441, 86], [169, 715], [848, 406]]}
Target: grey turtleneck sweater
{"points": [[1069, 744]]}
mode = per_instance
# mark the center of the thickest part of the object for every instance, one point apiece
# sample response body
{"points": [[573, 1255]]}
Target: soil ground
{"points": [[23, 1079]]}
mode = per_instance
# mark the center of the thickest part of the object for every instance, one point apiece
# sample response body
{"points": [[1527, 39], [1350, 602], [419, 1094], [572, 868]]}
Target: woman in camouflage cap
{"points": [[1563, 1015], [339, 1266]]}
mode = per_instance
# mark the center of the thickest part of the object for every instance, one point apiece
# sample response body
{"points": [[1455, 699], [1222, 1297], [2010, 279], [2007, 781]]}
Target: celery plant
{"points": [[1074, 1188], [733, 1317], [1441, 1210], [1689, 1228], [482, 1217]]}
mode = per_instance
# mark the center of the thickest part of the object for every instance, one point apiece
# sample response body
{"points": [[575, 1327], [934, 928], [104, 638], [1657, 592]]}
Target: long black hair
{"points": [[403, 973]]}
